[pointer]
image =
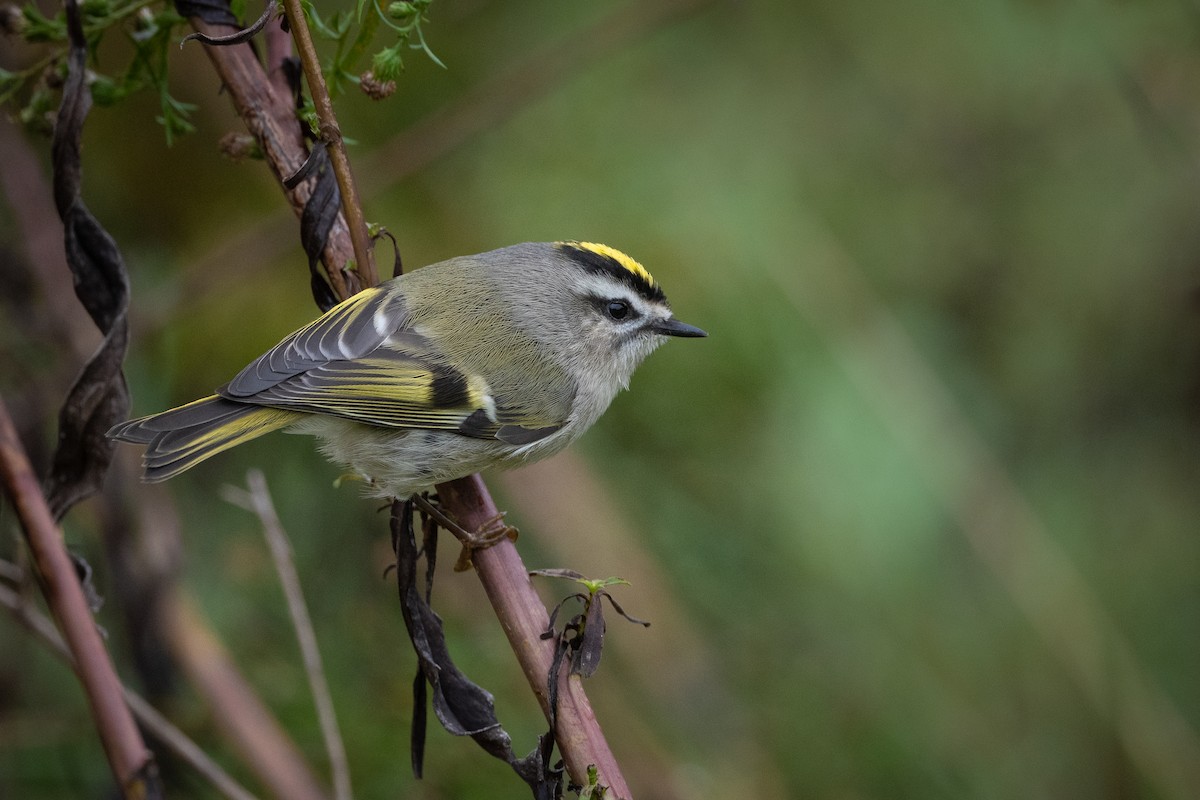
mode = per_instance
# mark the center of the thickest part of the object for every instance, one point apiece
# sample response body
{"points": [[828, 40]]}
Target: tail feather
{"points": [[179, 439]]}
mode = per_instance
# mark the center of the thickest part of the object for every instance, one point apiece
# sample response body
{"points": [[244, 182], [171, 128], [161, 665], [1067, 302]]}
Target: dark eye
{"points": [[618, 309]]}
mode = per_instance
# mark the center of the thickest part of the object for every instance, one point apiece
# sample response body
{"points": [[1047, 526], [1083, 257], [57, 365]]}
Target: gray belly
{"points": [[402, 462]]}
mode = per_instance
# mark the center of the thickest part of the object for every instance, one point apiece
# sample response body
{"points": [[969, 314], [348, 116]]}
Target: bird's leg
{"points": [[490, 533]]}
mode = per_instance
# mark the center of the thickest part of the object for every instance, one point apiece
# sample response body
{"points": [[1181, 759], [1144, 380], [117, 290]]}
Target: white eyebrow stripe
{"points": [[609, 289]]}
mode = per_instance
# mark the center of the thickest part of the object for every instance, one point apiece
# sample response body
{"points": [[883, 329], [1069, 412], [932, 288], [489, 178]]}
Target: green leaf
{"points": [[95, 9], [36, 112], [44, 29], [318, 24], [106, 91], [174, 117], [421, 45]]}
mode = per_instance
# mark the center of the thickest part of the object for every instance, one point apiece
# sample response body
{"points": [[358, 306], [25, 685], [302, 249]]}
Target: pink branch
{"points": [[132, 763]]}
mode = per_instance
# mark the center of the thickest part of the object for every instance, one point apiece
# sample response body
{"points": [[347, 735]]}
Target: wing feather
{"points": [[361, 360], [349, 330], [387, 388]]}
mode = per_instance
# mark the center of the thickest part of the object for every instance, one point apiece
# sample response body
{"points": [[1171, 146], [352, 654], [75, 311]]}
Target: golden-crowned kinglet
{"points": [[475, 362]]}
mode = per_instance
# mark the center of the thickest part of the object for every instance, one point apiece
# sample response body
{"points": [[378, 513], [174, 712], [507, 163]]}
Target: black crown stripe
{"points": [[599, 263]]}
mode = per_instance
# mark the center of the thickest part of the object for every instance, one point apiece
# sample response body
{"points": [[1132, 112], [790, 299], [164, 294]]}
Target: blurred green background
{"points": [[919, 519]]}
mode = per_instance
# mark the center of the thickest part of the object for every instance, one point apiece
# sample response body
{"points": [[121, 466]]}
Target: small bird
{"points": [[481, 361]]}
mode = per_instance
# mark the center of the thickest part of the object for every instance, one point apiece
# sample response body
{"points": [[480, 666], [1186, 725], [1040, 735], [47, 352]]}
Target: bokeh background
{"points": [[919, 519]]}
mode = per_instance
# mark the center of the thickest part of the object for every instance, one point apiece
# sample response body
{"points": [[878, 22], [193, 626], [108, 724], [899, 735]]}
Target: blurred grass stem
{"points": [[237, 711], [258, 501], [149, 718]]}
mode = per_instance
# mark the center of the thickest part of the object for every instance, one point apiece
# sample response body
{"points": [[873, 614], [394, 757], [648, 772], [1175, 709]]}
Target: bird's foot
{"points": [[489, 534]]}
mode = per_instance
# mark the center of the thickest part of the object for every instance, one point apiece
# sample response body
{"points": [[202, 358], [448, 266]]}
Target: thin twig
{"points": [[258, 502], [188, 751], [132, 763], [240, 714], [173, 738], [11, 572], [331, 134], [270, 116]]}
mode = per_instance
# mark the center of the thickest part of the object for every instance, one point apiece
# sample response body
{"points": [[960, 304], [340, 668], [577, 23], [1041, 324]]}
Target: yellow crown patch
{"points": [[616, 255], [605, 260]]}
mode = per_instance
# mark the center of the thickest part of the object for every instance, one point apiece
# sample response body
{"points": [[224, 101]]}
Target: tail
{"points": [[181, 438]]}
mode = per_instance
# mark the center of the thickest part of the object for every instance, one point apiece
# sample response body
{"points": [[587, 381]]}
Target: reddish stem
{"points": [[132, 763], [524, 617]]}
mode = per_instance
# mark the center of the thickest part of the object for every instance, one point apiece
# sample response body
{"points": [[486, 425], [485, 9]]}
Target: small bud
{"points": [[38, 114], [238, 146], [401, 10], [145, 26], [387, 64], [103, 88], [54, 75], [374, 88], [12, 20]]}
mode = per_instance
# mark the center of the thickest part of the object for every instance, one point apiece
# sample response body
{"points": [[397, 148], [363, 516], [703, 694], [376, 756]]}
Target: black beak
{"points": [[673, 327]]}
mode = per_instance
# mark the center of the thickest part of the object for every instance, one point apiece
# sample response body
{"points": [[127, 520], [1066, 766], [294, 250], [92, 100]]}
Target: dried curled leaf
{"points": [[317, 220], [214, 12], [99, 397], [464, 708], [238, 37], [582, 637]]}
